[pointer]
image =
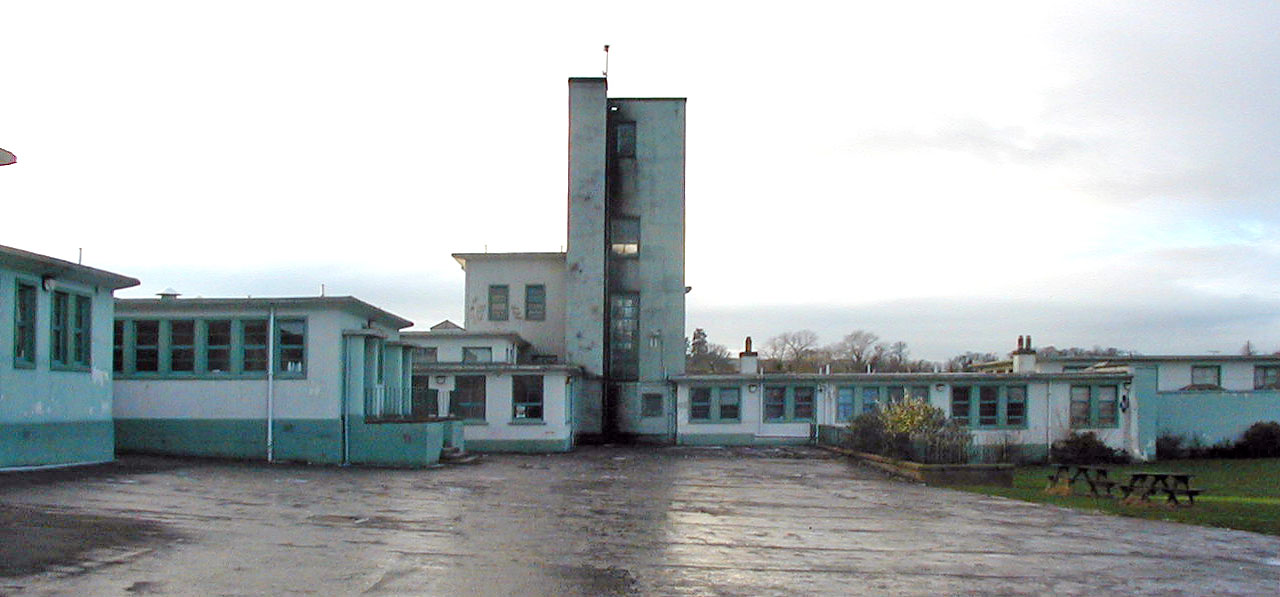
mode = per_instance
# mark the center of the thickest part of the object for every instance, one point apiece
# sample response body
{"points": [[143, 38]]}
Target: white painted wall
{"points": [[318, 396], [516, 272], [449, 345], [498, 422]]}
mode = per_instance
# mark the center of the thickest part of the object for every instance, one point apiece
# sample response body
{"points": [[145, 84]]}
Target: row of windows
{"points": [[470, 354], [468, 398], [70, 329], [208, 346], [977, 406], [1265, 377], [535, 302]]}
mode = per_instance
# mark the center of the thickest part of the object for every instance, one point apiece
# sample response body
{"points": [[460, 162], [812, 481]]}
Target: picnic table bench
{"points": [[1094, 476], [1145, 483]]}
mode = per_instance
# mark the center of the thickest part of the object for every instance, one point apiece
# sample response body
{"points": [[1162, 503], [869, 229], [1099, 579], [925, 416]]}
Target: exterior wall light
{"points": [[440, 379], [752, 388], [940, 387]]}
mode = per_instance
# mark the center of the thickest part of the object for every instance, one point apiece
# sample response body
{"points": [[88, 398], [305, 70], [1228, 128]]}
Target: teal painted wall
{"points": [[1214, 416], [396, 444], [524, 446], [51, 415], [738, 439], [296, 440], [73, 442]]}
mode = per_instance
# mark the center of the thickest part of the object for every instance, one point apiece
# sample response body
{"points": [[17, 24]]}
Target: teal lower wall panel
{"points": [[294, 440], [520, 446], [45, 444], [739, 439], [396, 444]]}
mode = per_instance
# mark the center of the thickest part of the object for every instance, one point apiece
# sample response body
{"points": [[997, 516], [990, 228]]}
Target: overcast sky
{"points": [[948, 174]]}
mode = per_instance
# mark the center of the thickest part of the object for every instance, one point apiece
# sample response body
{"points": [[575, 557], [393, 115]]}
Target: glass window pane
{"points": [[1107, 406], [803, 403], [988, 405], [960, 404], [870, 399], [700, 404], [498, 305], [1016, 406], [1080, 396], [844, 404], [775, 402], [535, 302], [729, 403]]}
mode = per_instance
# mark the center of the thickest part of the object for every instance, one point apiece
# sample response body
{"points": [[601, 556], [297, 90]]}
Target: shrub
{"points": [[1169, 446], [1260, 440], [911, 430], [1085, 448]]}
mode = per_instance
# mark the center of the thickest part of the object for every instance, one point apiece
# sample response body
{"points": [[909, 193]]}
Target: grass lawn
{"points": [[1239, 494]]}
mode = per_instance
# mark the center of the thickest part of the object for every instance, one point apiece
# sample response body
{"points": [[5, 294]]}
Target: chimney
{"points": [[1024, 358], [748, 360]]}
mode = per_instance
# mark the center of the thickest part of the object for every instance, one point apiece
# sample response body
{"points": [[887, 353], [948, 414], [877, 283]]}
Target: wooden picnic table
{"points": [[1146, 483], [1093, 476]]}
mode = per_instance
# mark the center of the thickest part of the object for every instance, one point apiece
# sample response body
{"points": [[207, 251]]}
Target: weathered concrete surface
{"points": [[609, 522]]}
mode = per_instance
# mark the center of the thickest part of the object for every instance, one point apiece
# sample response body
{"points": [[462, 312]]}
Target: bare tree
{"points": [[793, 351]]}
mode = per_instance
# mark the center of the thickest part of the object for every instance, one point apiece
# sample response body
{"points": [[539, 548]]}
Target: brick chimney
{"points": [[1024, 358], [748, 360]]}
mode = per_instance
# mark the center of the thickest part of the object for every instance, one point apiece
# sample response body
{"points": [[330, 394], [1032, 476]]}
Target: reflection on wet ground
{"points": [[603, 521]]}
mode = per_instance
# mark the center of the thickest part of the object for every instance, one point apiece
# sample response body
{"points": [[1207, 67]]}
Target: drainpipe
{"points": [[343, 398], [271, 383]]}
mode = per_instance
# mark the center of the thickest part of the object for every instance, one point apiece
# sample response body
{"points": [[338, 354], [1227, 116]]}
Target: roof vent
{"points": [[168, 294]]}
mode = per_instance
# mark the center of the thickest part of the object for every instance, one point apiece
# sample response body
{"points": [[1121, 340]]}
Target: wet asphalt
{"points": [[600, 521]]}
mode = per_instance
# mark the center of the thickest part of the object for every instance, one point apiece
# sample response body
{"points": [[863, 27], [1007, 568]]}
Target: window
{"points": [[146, 345], [896, 394], [477, 354], [498, 302], [535, 302], [81, 332], [700, 404], [1266, 377], [117, 346], [218, 346], [996, 406], [1205, 377], [651, 405], [254, 349], [1015, 407], [425, 355], [783, 404], [918, 393], [222, 347], [182, 345], [624, 324], [58, 327], [24, 326], [844, 404], [291, 340], [1094, 406], [803, 403], [624, 138], [730, 404], [870, 399], [468, 396], [526, 397], [960, 400], [624, 236], [709, 405], [425, 400], [775, 402], [988, 406]]}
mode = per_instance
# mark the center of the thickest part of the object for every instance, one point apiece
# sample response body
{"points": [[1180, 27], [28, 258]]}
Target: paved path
{"points": [[604, 522]]}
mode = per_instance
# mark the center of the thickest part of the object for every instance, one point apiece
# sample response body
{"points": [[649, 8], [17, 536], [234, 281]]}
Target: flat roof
{"points": [[462, 258], [461, 333], [44, 265], [906, 378], [348, 303]]}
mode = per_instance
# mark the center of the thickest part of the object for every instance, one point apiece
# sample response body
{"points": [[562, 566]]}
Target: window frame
{"points": [[789, 404], [998, 395], [499, 310], [647, 400], [70, 331], [280, 347], [473, 405], [1094, 420], [24, 324], [204, 327], [531, 301], [522, 391], [1217, 376], [469, 350], [1260, 377]]}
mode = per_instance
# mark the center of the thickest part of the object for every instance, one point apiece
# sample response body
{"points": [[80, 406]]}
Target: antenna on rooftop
{"points": [[606, 61]]}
